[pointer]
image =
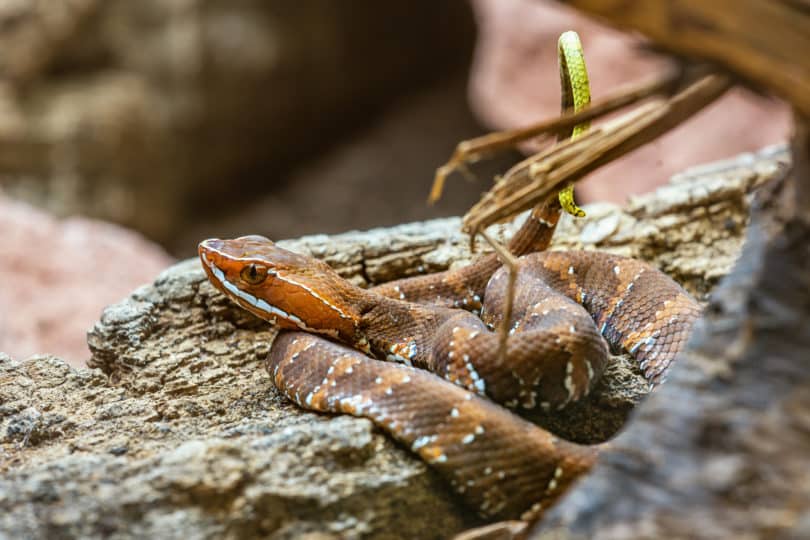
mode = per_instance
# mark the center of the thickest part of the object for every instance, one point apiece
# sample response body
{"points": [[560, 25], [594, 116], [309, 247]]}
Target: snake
{"points": [[420, 357]]}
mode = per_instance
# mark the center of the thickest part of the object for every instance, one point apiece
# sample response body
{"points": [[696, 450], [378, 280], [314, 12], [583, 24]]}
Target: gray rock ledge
{"points": [[175, 430]]}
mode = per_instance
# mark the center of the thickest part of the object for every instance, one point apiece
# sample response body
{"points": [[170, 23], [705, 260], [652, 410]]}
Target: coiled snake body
{"points": [[501, 464], [566, 303]]}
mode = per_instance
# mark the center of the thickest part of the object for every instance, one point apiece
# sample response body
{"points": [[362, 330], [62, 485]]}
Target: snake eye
{"points": [[253, 273]]}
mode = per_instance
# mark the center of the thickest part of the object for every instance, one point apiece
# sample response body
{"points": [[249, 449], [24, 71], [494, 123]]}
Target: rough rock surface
{"points": [[722, 450], [56, 275], [177, 430]]}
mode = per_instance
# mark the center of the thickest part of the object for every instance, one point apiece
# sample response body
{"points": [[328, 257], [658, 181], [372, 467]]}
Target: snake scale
{"points": [[437, 392]]}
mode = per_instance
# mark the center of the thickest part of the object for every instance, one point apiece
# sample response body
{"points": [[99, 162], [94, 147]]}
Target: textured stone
{"points": [[177, 431], [56, 275]]}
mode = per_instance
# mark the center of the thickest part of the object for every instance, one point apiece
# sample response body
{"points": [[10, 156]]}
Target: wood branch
{"points": [[472, 150], [532, 180], [801, 155], [764, 41]]}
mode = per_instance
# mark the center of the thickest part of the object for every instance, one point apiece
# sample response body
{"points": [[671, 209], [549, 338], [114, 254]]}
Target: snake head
{"points": [[290, 290]]}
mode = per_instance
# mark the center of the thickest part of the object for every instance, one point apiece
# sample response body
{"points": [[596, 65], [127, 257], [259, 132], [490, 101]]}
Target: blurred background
{"points": [[129, 131]]}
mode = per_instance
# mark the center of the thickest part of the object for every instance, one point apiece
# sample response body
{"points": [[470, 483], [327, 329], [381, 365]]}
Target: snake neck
{"points": [[397, 330]]}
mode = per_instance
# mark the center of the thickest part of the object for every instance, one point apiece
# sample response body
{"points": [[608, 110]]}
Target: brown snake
{"points": [[565, 303], [502, 465]]}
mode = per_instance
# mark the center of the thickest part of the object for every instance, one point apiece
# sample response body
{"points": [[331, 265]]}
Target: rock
{"points": [[57, 275], [176, 429], [721, 451]]}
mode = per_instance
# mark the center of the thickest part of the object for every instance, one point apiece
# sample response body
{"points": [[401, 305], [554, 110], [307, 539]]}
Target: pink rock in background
{"points": [[57, 275], [515, 81]]}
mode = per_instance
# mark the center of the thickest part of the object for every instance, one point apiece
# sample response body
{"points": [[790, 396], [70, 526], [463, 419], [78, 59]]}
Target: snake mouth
{"points": [[210, 252], [206, 249]]}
